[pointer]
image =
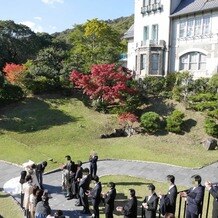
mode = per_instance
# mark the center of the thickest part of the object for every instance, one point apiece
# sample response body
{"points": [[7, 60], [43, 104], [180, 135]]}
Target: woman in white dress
{"points": [[14, 187]]}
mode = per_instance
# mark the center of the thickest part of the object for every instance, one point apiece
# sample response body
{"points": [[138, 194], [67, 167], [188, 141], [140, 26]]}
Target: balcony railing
{"points": [[151, 8]]}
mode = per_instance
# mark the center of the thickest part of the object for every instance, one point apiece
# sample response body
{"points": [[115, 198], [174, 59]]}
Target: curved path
{"points": [[146, 170]]}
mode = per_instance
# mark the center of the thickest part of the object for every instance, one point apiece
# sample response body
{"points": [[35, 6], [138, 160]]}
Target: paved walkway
{"points": [[146, 170]]}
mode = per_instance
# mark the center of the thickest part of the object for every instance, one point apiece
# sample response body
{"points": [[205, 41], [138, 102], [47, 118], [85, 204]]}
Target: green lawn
{"points": [[8, 207], [48, 127]]}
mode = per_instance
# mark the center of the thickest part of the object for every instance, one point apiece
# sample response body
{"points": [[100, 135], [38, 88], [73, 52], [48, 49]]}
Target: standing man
{"points": [[40, 168], [109, 199], [84, 190], [213, 189], [96, 197], [130, 208], [68, 169], [195, 197], [78, 176], [150, 203], [169, 200], [93, 158]]}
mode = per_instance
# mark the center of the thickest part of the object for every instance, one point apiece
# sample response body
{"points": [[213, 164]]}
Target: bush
{"points": [[203, 97], [202, 106], [150, 122], [10, 93], [153, 85], [213, 114], [174, 121], [211, 127], [170, 81]]}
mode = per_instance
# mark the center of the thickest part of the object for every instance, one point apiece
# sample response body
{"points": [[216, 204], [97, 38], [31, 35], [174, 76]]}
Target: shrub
{"points": [[174, 121], [10, 93], [153, 85], [203, 97], [170, 80], [207, 105], [211, 127], [213, 114], [150, 122]]}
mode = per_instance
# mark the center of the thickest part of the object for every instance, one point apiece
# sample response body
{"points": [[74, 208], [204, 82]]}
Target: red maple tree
{"points": [[127, 119], [105, 82], [13, 72]]}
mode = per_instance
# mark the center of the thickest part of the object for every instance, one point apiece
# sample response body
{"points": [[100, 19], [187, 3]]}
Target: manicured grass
{"points": [[50, 127], [8, 207]]}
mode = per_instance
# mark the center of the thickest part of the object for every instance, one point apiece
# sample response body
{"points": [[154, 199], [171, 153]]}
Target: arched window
{"points": [[192, 61]]}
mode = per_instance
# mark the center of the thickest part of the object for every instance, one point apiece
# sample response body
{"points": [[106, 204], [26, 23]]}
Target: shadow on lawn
{"points": [[33, 115]]}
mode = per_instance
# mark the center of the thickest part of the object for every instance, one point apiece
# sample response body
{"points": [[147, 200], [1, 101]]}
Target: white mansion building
{"points": [[173, 35]]}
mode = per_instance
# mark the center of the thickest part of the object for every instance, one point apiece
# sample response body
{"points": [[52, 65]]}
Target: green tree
{"points": [[95, 42], [150, 122], [17, 43], [46, 71]]}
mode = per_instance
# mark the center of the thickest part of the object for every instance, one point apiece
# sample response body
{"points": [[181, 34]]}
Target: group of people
{"points": [[76, 181], [34, 198]]}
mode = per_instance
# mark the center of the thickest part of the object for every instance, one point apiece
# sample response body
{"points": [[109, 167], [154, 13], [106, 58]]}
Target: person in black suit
{"points": [[130, 208], [150, 203], [213, 189], [109, 199], [93, 158], [40, 168], [78, 176], [84, 190], [170, 198], [68, 170], [195, 197], [96, 197]]}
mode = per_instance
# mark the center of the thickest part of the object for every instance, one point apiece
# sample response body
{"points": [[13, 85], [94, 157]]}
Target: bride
{"points": [[14, 185]]}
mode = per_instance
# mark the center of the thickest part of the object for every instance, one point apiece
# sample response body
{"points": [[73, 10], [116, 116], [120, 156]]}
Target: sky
{"points": [[57, 15]]}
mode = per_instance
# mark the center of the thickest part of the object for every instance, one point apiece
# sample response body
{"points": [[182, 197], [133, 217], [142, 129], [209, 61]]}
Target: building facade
{"points": [[174, 35]]}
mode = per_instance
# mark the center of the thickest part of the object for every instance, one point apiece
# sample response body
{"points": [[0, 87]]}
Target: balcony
{"points": [[151, 43], [151, 8]]}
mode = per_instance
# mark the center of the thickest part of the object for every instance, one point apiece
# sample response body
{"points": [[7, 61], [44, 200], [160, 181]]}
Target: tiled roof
{"points": [[193, 6], [130, 33]]}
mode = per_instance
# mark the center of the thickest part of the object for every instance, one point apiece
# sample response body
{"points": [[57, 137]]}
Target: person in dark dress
{"points": [[109, 199], [150, 203], [40, 168], [170, 198], [213, 189], [130, 208], [96, 197], [195, 197], [93, 158]]}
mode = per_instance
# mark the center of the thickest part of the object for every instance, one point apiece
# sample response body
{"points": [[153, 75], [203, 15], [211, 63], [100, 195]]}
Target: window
{"points": [[206, 25], [194, 27], [190, 27], [193, 61], [182, 27], [143, 61], [197, 26], [155, 32], [154, 63], [146, 33]]}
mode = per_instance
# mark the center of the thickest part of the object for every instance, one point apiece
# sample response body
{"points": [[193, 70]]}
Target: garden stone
{"points": [[210, 144]]}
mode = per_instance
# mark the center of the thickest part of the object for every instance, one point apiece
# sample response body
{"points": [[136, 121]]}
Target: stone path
{"points": [[146, 170]]}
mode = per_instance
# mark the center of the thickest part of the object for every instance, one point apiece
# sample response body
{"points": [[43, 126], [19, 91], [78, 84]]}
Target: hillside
{"points": [[121, 24]]}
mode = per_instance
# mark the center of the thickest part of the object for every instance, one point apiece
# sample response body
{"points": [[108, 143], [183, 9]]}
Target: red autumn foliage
{"points": [[127, 118], [105, 82], [13, 71]]}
